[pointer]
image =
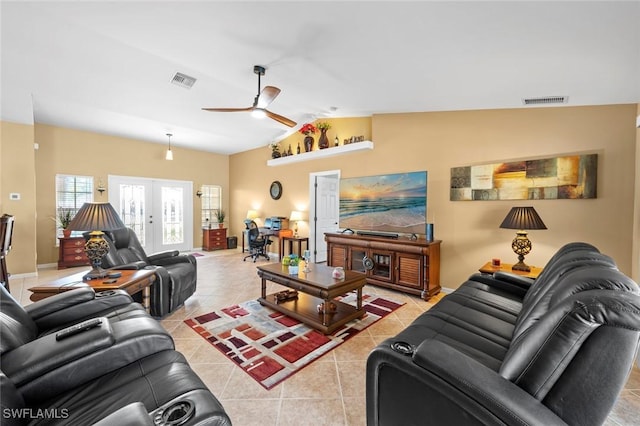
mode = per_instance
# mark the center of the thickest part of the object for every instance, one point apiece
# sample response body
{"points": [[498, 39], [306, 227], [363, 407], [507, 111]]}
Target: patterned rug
{"points": [[270, 346]]}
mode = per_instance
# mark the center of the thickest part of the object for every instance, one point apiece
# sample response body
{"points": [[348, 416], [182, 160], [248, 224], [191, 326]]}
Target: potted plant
{"points": [[220, 215], [293, 264], [323, 141], [63, 220]]}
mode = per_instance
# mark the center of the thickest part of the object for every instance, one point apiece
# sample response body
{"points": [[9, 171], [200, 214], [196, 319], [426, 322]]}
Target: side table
{"points": [[131, 281], [488, 268], [291, 240]]}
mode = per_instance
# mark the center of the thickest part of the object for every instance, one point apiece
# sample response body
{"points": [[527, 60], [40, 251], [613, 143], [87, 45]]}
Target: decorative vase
{"points": [[275, 154], [308, 143], [323, 142], [66, 233]]}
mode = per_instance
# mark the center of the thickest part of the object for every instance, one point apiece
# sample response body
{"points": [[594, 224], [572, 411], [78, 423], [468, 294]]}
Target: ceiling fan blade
{"points": [[280, 119], [268, 94], [227, 109]]}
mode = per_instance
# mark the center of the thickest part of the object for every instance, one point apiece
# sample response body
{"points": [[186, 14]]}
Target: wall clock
{"points": [[275, 190]]}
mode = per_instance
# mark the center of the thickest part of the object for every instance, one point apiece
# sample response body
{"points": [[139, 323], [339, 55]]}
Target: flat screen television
{"points": [[390, 203]]}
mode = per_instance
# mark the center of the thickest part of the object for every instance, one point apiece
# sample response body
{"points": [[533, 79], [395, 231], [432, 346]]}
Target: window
{"points": [[211, 201], [71, 193]]}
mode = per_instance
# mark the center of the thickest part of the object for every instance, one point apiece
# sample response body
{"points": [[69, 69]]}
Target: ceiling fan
{"points": [[260, 102]]}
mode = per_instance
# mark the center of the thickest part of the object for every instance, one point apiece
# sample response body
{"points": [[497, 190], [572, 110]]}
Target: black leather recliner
{"points": [[176, 274], [122, 371], [488, 354]]}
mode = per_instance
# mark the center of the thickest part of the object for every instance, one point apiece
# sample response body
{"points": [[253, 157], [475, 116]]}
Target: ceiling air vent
{"points": [[183, 80], [547, 100]]}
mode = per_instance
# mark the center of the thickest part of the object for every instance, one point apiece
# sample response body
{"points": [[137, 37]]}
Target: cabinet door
{"points": [[382, 265], [337, 256], [409, 270], [357, 258]]}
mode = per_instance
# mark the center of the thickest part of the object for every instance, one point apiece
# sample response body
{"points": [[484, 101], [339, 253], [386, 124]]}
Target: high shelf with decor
{"points": [[401, 264], [322, 153], [214, 239]]}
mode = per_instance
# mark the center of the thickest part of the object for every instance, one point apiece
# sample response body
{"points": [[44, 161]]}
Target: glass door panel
{"points": [[172, 215], [382, 265], [357, 260], [132, 209]]}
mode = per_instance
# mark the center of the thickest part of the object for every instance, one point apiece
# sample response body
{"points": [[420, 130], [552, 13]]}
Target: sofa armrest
{"points": [[72, 306], [515, 279], [133, 340], [438, 382], [510, 283], [60, 301], [162, 255], [172, 260], [139, 264], [40, 356], [134, 414]]}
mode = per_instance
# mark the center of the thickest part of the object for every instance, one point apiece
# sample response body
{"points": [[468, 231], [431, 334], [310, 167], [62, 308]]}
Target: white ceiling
{"points": [[106, 66]]}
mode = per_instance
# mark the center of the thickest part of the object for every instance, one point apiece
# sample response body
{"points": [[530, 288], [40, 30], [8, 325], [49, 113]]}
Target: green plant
{"points": [[220, 215], [64, 218], [323, 125]]}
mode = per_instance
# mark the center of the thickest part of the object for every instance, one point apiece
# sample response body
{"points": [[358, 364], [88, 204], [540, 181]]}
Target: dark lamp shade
{"points": [[96, 217], [523, 218]]}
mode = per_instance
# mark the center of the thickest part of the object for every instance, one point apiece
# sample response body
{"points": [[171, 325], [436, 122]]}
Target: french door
{"points": [[159, 211]]}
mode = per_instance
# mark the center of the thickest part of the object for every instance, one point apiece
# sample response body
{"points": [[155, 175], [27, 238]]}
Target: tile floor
{"points": [[330, 391]]}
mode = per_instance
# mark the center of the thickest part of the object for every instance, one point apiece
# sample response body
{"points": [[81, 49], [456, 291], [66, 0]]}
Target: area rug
{"points": [[270, 346]]}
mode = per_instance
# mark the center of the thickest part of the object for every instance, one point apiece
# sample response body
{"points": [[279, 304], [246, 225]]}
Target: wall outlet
{"points": [[14, 196]]}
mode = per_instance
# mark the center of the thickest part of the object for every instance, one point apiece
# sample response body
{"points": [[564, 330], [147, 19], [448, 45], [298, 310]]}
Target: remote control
{"points": [[78, 328]]}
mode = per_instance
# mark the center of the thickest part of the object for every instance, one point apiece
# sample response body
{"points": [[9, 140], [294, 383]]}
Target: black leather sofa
{"points": [[505, 350], [121, 370], [176, 274]]}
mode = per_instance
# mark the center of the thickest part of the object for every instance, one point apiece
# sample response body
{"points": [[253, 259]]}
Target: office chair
{"points": [[258, 244]]}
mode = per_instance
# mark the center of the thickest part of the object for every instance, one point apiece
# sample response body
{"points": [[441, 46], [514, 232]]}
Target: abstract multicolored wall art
{"points": [[569, 177]]}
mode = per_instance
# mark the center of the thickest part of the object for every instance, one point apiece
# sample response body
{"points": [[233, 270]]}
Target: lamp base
{"points": [[96, 248], [521, 266], [95, 273]]}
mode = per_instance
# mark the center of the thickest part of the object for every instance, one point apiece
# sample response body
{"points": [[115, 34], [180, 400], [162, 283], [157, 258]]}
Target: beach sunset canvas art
{"points": [[385, 203]]}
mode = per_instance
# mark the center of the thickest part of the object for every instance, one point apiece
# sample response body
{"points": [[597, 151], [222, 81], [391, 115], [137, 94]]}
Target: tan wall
{"points": [[636, 222], [436, 142], [71, 151], [17, 175]]}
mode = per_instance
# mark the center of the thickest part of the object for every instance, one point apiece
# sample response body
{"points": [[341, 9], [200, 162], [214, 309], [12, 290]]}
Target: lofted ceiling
{"points": [[107, 66]]}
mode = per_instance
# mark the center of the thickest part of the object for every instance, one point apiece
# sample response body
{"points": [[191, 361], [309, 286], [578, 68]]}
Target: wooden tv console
{"points": [[401, 264]]}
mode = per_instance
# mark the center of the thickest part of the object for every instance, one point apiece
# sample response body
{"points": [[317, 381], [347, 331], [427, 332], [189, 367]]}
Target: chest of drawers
{"points": [[214, 239], [71, 253]]}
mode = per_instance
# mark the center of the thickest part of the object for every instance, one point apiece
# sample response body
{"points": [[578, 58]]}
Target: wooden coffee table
{"points": [[131, 281], [314, 288]]}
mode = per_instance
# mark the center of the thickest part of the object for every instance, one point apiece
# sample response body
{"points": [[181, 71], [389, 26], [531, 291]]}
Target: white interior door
{"points": [[324, 211], [159, 211]]}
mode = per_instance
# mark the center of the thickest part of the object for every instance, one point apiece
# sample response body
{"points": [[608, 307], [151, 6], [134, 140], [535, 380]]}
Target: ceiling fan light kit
{"points": [[260, 103]]}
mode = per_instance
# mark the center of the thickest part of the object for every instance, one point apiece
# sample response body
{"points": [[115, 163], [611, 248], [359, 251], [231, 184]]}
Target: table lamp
{"points": [[295, 217], [522, 219], [96, 217]]}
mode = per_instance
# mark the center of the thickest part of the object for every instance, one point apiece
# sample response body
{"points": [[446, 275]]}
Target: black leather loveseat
{"points": [[503, 350], [120, 368]]}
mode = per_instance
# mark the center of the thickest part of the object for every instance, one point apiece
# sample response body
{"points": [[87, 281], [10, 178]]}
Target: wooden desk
{"points": [[488, 268], [131, 281], [291, 240]]}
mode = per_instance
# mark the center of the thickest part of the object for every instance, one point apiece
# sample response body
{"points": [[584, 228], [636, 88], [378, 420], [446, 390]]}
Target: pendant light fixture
{"points": [[169, 155]]}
